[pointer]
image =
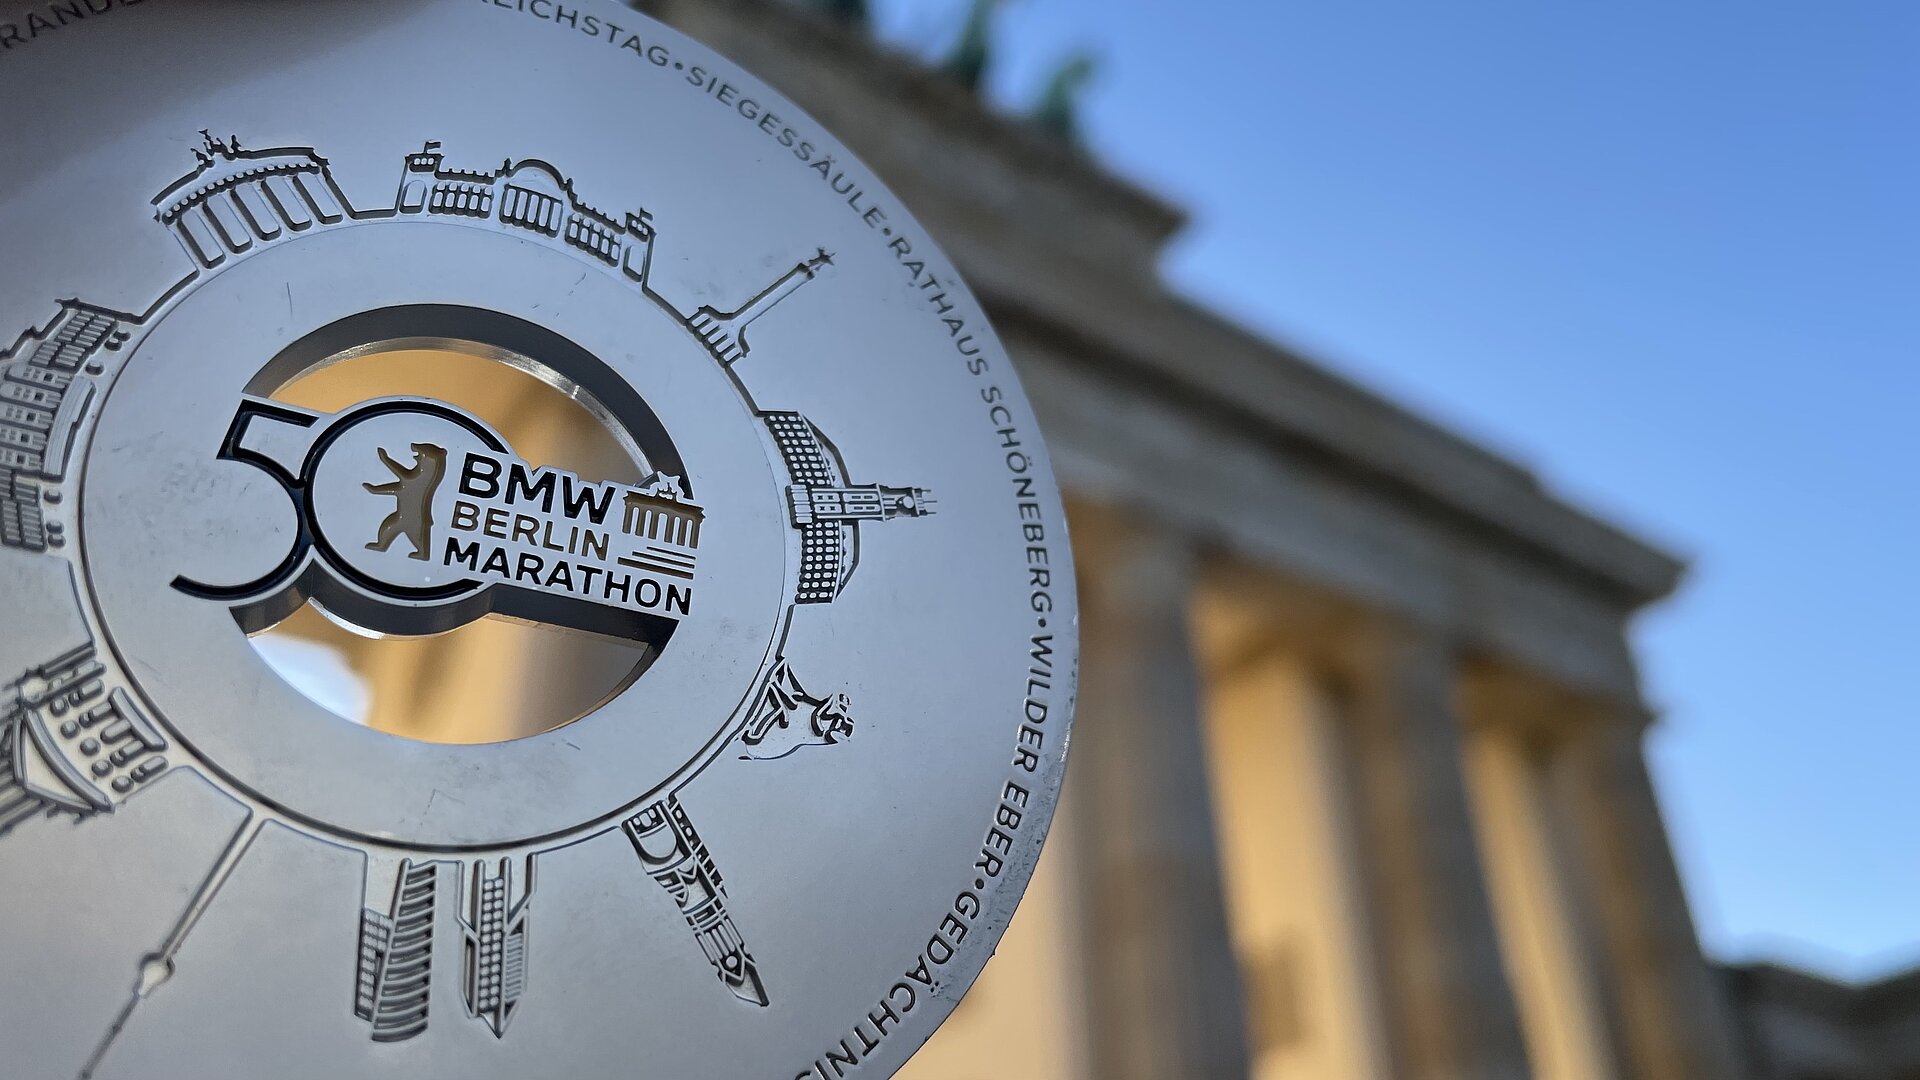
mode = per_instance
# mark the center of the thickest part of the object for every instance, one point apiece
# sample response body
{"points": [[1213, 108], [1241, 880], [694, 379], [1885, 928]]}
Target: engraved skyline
{"points": [[75, 743]]}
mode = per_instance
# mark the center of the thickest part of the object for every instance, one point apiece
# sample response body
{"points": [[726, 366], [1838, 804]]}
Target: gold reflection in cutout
{"points": [[494, 679]]}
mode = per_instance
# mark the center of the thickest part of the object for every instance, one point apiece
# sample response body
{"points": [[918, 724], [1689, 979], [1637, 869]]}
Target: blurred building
{"points": [[1796, 1026], [1358, 789], [1358, 785]]}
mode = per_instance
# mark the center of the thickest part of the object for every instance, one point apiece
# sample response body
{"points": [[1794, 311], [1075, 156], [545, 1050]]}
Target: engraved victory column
{"points": [[783, 589]]}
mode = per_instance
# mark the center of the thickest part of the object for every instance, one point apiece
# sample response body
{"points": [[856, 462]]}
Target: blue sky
{"points": [[1667, 255]]}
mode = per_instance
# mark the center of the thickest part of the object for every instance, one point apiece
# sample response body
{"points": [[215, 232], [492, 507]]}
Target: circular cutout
{"points": [[494, 679]]}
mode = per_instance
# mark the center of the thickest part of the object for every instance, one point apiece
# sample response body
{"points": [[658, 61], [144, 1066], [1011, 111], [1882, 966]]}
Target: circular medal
{"points": [[518, 557]]}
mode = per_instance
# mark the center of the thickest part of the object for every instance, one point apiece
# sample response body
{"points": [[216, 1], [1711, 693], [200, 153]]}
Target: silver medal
{"points": [[517, 558]]}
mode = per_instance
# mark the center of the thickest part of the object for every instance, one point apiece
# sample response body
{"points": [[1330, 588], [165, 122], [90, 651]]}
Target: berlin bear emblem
{"points": [[412, 489]]}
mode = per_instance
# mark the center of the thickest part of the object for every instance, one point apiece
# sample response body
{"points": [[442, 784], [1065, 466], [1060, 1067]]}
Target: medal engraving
{"points": [[396, 957], [798, 538]]}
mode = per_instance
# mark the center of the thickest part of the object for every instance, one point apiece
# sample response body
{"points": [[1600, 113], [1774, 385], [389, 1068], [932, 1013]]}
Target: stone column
{"points": [[1675, 1021], [1450, 1011], [1543, 930], [1162, 984]]}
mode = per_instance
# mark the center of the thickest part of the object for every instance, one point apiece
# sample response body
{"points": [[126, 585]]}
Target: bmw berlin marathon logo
{"points": [[418, 518]]}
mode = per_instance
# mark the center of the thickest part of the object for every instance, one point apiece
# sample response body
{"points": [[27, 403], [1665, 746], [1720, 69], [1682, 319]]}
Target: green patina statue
{"points": [[1058, 111], [851, 12], [971, 56]]}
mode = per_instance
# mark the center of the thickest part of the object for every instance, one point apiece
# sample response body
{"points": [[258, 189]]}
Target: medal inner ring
{"points": [[195, 475]]}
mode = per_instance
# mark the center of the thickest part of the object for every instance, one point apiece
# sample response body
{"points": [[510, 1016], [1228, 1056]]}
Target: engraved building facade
{"points": [[1358, 788]]}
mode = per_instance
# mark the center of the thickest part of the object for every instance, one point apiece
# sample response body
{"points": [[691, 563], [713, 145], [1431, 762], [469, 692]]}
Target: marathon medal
{"points": [[367, 369]]}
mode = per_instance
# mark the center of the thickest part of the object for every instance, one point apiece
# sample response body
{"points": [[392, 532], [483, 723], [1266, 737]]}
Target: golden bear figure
{"points": [[412, 490]]}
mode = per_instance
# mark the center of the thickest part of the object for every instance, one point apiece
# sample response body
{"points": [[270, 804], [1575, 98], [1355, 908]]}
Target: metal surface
{"points": [[844, 562]]}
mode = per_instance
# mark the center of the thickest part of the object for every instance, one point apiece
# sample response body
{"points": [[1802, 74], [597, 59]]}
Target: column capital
{"points": [[1127, 561], [1533, 710]]}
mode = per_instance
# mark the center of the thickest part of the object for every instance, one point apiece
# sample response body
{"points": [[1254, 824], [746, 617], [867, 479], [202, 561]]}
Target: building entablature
{"points": [[1061, 250]]}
